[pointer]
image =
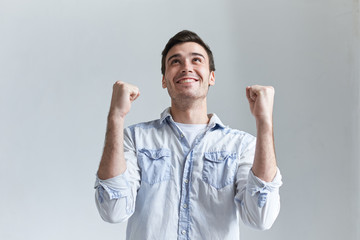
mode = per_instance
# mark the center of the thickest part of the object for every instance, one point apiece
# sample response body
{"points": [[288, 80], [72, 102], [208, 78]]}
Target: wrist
{"points": [[116, 116], [264, 124]]}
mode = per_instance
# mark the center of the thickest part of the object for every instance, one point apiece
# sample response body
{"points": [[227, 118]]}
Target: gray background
{"points": [[59, 60]]}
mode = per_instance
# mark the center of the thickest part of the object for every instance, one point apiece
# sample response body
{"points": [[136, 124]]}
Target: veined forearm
{"points": [[112, 161], [264, 166]]}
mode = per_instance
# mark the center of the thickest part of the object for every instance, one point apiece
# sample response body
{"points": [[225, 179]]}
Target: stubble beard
{"points": [[184, 100]]}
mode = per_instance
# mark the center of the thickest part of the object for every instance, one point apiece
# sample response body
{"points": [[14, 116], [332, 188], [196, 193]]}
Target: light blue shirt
{"points": [[171, 190]]}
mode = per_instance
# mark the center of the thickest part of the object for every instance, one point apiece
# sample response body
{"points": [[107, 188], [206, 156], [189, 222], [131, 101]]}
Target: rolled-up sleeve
{"points": [[115, 197], [258, 201]]}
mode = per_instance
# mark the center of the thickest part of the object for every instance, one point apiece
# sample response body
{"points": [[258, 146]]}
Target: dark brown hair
{"points": [[182, 37]]}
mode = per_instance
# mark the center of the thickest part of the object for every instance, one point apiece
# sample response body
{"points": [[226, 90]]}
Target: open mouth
{"points": [[186, 80]]}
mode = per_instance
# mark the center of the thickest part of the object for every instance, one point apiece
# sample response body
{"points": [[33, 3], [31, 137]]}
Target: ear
{"points": [[163, 82], [212, 79]]}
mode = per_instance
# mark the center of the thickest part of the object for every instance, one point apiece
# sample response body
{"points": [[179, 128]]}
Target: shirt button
{"points": [[183, 232], [185, 206], [186, 181], [181, 135]]}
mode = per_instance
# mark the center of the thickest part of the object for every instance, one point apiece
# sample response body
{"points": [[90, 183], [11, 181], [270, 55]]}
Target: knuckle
{"points": [[269, 89], [118, 84]]}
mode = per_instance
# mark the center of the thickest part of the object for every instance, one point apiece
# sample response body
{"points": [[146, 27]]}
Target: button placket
{"points": [[184, 201], [184, 214]]}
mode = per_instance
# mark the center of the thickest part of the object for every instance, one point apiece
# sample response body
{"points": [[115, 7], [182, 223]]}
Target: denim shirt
{"points": [[171, 190]]}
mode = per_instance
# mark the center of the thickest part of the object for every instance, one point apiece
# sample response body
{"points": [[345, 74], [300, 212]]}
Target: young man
{"points": [[187, 175]]}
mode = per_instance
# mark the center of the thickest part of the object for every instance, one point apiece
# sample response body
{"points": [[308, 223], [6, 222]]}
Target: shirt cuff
{"points": [[256, 186], [116, 187]]}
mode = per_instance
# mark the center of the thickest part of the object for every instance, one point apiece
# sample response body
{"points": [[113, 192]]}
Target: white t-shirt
{"points": [[191, 131]]}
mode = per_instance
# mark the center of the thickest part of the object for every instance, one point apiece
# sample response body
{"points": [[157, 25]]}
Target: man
{"points": [[187, 175]]}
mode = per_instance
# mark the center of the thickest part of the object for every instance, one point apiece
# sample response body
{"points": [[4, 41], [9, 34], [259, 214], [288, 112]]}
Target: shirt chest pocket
{"points": [[155, 165], [219, 168]]}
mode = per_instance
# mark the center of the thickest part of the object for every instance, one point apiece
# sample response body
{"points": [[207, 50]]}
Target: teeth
{"points": [[186, 81]]}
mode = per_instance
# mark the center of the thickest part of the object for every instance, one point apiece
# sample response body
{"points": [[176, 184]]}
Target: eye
{"points": [[197, 59], [174, 61]]}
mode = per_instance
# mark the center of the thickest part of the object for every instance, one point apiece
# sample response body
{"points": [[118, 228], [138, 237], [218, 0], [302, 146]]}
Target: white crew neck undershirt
{"points": [[191, 131]]}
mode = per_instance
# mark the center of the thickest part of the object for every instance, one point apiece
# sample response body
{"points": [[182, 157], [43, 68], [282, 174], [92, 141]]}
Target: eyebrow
{"points": [[192, 54]]}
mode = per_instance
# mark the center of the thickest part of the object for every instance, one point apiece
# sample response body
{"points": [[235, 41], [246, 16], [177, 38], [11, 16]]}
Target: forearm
{"points": [[264, 166], [112, 161]]}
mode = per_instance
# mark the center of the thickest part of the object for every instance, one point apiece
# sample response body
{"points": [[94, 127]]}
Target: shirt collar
{"points": [[214, 119]]}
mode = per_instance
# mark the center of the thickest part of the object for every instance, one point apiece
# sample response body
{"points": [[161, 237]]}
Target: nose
{"points": [[187, 66]]}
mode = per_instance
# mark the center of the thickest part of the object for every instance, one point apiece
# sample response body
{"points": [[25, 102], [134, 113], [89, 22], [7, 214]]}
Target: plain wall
{"points": [[59, 60]]}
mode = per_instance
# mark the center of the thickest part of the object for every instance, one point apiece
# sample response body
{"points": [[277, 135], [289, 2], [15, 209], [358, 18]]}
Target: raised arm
{"points": [[258, 189], [112, 161], [261, 101]]}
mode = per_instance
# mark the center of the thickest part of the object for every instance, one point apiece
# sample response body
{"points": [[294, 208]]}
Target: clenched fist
{"points": [[122, 97], [261, 101]]}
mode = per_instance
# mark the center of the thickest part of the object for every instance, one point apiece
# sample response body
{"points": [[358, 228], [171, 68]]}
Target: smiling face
{"points": [[187, 73]]}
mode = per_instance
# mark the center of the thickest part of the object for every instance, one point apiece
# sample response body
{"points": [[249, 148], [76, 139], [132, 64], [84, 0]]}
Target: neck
{"points": [[195, 113]]}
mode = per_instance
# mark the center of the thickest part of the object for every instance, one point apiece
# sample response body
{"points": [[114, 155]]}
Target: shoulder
{"points": [[226, 130], [145, 125], [148, 128]]}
